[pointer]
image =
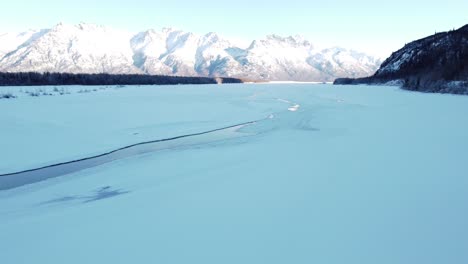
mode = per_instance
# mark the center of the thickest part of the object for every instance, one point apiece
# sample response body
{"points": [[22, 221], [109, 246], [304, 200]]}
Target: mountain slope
{"points": [[10, 41], [88, 48], [83, 48], [438, 63]]}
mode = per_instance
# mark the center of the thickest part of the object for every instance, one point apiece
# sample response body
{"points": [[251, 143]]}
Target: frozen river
{"points": [[317, 174]]}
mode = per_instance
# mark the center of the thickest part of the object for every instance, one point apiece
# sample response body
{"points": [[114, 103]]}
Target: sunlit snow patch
{"points": [[294, 108]]}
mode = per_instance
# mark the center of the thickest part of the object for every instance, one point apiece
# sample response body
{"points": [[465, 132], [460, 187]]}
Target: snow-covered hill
{"points": [[436, 63], [88, 48]]}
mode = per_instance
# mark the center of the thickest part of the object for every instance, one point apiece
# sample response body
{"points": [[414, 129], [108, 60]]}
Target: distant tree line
{"points": [[47, 78]]}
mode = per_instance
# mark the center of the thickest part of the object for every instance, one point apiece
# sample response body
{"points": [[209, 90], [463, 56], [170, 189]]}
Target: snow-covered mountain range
{"points": [[89, 48]]}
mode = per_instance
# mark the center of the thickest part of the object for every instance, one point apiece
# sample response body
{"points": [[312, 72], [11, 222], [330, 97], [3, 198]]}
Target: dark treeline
{"points": [[34, 78]]}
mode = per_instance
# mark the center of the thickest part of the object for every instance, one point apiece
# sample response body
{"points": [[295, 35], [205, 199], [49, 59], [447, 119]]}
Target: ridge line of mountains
{"points": [[89, 48]]}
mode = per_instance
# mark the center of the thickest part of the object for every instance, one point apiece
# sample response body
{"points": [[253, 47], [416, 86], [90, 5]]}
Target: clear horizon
{"points": [[368, 26]]}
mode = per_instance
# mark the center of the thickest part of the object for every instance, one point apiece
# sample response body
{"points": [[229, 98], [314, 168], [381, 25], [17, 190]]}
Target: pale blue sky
{"points": [[377, 27]]}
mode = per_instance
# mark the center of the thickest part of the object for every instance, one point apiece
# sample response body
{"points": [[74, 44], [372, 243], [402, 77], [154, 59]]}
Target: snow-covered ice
{"points": [[359, 174]]}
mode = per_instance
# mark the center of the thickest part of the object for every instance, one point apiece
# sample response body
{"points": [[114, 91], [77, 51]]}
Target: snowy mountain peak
{"points": [[212, 36], [88, 26], [278, 42], [295, 41], [92, 48], [170, 29]]}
